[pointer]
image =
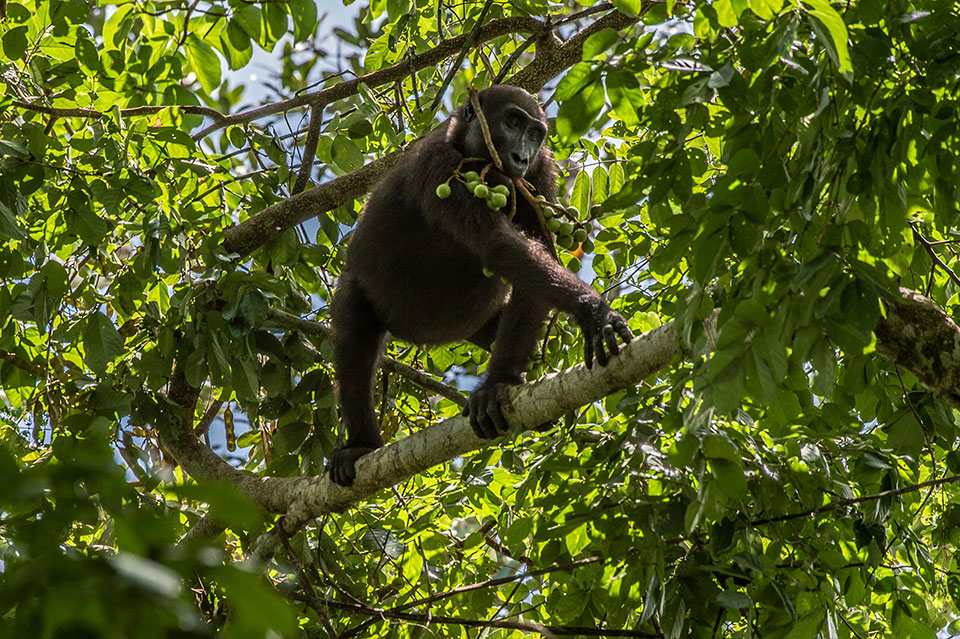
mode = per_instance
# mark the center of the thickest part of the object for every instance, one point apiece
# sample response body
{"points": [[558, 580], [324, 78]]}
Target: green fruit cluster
{"points": [[569, 233], [496, 196]]}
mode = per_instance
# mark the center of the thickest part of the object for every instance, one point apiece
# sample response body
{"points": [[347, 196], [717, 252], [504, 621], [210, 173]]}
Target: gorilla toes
{"points": [[342, 464], [485, 409]]}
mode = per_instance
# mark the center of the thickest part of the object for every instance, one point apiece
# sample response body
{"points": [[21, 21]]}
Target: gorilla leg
{"points": [[519, 327], [485, 336], [359, 338]]}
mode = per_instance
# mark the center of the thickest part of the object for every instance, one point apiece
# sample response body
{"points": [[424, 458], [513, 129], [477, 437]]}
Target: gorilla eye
{"points": [[513, 121]]}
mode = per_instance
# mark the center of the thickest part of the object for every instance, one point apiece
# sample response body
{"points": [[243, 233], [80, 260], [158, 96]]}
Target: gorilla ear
{"points": [[468, 113]]}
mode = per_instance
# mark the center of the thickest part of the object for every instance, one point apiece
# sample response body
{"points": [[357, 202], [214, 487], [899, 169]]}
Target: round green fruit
{"points": [[481, 190], [499, 200], [443, 191], [502, 189], [553, 225], [471, 176], [566, 228], [580, 234], [587, 245], [567, 242]]}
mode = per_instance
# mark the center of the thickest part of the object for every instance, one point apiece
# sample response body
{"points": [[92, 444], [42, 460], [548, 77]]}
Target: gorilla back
{"points": [[415, 267]]}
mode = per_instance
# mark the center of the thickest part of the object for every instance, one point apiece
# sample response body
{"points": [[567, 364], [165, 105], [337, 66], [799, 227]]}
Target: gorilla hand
{"points": [[601, 325]]}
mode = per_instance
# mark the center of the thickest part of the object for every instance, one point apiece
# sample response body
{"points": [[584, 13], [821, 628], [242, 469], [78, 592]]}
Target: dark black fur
{"points": [[414, 268]]}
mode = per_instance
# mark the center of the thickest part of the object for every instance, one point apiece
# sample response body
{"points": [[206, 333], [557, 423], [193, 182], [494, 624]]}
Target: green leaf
{"points": [[730, 478], [807, 626], [250, 20], [102, 342], [719, 447], [766, 9], [116, 29], [579, 113], [574, 80], [828, 16], [599, 42], [904, 434], [580, 197], [86, 52], [347, 154], [148, 575], [275, 23], [412, 565], [204, 62], [727, 15], [15, 42], [599, 181], [733, 599], [629, 7], [625, 95], [577, 539], [376, 53], [235, 45], [304, 14]]}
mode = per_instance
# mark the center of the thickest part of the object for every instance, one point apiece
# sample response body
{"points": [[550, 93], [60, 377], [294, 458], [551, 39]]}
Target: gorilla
{"points": [[420, 261]]}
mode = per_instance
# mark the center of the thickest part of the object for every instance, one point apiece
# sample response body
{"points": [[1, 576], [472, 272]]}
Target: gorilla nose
{"points": [[519, 163]]}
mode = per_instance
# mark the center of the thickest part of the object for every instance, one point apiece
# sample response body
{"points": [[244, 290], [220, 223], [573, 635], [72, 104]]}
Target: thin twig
{"points": [[315, 602], [309, 149], [471, 40], [391, 365], [484, 128], [933, 254]]}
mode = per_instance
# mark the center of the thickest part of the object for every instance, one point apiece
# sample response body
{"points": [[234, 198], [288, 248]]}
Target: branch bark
{"points": [[919, 336], [916, 335], [530, 405], [319, 99]]}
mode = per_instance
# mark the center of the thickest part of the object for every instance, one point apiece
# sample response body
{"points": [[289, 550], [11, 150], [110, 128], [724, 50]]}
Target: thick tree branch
{"points": [[916, 334], [256, 231], [443, 50], [533, 404], [77, 112], [919, 336]]}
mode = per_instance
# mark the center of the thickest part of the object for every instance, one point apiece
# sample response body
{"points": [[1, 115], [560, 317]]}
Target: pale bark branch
{"points": [[919, 336], [916, 335], [533, 404]]}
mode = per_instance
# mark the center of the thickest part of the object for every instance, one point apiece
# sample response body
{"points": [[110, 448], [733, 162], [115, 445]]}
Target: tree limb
{"points": [[530, 405], [443, 49], [919, 336], [916, 334]]}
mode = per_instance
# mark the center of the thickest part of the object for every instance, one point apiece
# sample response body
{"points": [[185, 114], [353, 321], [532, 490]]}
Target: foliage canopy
{"points": [[787, 165]]}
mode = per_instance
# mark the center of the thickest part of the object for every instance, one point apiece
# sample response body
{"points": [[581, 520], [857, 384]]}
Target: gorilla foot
{"points": [[486, 408], [342, 463]]}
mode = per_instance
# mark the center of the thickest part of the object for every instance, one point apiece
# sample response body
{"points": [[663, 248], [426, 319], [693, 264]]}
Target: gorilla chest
{"points": [[429, 288]]}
